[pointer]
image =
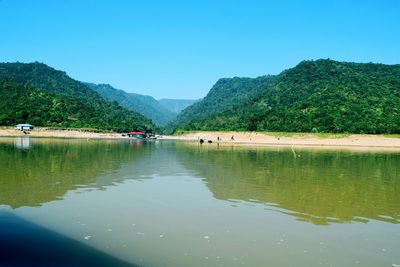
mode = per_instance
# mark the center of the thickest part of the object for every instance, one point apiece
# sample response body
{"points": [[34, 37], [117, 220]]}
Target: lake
{"points": [[168, 203]]}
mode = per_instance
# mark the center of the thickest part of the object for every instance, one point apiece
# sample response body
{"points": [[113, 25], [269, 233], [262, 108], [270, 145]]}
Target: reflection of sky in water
{"points": [[174, 205]]}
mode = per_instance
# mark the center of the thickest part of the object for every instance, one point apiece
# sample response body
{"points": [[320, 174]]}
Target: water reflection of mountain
{"points": [[46, 169], [315, 186], [50, 168]]}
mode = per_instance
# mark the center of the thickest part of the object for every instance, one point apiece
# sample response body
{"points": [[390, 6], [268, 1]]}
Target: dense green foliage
{"points": [[145, 105], [226, 94], [314, 96], [177, 105], [37, 94]]}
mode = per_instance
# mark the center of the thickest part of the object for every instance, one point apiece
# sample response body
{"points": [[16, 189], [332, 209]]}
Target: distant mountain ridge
{"points": [[38, 94], [145, 105], [177, 105], [314, 96]]}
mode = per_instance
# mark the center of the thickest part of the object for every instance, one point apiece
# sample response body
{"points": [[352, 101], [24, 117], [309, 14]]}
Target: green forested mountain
{"points": [[38, 94], [314, 96], [146, 105], [226, 94], [177, 105]]}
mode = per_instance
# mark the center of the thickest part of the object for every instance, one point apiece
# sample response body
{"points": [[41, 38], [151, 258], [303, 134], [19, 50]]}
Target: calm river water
{"points": [[179, 204]]}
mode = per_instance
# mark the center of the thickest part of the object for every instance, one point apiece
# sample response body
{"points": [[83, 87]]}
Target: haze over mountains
{"points": [[177, 105], [160, 112], [38, 94], [314, 96]]}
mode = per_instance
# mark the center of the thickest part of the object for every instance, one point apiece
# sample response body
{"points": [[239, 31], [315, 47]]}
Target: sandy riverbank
{"points": [[239, 138], [43, 132], [251, 138]]}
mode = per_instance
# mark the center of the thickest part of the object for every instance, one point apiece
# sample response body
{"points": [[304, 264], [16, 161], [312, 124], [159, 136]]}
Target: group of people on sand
{"points": [[201, 140]]}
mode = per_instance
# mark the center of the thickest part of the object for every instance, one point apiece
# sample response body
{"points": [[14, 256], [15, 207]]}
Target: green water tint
{"points": [[178, 204], [313, 185], [36, 171]]}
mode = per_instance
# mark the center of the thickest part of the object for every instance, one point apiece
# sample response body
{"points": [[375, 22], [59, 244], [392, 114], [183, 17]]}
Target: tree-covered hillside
{"points": [[316, 96], [38, 94], [146, 105], [226, 94]]}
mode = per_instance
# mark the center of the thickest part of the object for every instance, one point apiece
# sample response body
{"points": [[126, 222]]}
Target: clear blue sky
{"points": [[178, 49]]}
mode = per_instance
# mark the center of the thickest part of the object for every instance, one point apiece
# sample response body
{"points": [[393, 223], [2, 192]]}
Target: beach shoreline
{"points": [[295, 140], [64, 133], [225, 138]]}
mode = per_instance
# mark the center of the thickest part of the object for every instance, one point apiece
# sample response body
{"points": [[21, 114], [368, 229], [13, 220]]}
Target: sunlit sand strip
{"points": [[353, 142]]}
